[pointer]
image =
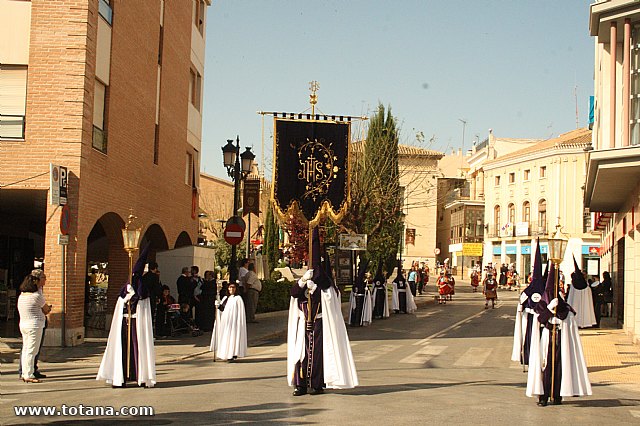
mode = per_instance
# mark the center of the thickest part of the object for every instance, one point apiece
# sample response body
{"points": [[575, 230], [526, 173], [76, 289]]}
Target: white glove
{"points": [[523, 297], [311, 286], [307, 275], [552, 305], [519, 308], [217, 303], [302, 283]]}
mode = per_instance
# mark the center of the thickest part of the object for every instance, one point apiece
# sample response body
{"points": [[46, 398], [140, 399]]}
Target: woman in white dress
{"points": [[229, 338]]}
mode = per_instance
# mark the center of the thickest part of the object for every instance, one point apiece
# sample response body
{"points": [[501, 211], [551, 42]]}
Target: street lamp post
{"points": [[557, 247], [130, 237], [237, 172]]}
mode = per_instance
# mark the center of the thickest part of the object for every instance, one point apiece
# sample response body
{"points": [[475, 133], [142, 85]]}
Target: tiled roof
{"points": [[403, 150], [574, 138]]}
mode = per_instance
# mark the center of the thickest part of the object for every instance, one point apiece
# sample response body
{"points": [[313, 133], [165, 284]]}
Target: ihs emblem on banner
{"points": [[317, 167]]}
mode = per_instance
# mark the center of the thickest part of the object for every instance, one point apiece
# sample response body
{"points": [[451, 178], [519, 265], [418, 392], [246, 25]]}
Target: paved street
{"points": [[447, 364]]}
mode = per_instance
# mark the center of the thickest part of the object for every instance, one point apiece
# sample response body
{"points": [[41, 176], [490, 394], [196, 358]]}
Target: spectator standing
{"points": [[206, 312], [196, 290], [33, 310], [242, 273], [253, 287], [151, 280], [413, 276], [163, 323], [185, 292]]}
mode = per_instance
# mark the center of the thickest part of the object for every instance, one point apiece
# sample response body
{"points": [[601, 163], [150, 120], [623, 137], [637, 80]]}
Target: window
{"points": [[512, 213], [497, 180], [13, 89], [188, 170], [105, 10], [526, 211], [198, 19], [496, 218], [195, 86], [543, 171], [526, 174], [542, 217], [512, 177], [99, 117], [634, 118]]}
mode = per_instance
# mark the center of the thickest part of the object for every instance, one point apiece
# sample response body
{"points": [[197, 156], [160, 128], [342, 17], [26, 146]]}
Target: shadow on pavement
{"points": [[273, 413], [603, 403], [384, 389]]}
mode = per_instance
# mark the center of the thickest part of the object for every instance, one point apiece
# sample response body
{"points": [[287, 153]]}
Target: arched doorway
{"points": [[158, 240], [106, 270], [183, 240]]}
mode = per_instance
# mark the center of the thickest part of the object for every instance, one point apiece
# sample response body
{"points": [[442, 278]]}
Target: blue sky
{"points": [[511, 66]]}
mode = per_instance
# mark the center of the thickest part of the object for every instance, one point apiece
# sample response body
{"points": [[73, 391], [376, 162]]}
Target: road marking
{"points": [[423, 355], [635, 413], [451, 327], [473, 357], [377, 352]]}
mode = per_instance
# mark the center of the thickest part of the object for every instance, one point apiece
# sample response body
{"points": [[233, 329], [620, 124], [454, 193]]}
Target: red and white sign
{"points": [[233, 233]]}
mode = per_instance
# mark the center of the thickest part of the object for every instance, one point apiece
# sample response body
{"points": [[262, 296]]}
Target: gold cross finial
{"points": [[313, 98]]}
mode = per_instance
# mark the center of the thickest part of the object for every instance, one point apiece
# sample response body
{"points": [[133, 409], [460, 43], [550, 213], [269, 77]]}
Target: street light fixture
{"points": [[130, 237], [557, 247], [231, 160]]}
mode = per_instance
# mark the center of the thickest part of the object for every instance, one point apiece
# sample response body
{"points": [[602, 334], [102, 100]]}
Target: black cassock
{"points": [[379, 298], [402, 286], [129, 334]]}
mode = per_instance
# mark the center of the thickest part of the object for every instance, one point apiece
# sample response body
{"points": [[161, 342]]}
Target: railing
{"points": [[539, 229], [12, 126], [99, 139]]}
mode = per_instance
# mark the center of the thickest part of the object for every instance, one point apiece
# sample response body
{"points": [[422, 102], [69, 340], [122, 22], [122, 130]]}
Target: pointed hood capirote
{"points": [[362, 270], [138, 270], [577, 278], [549, 294], [537, 285], [399, 277]]}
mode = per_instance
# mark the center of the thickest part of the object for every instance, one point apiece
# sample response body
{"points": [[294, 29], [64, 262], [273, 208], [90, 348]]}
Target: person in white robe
{"points": [[229, 337], [379, 297], [318, 350], [401, 297], [557, 367], [581, 299], [130, 354]]}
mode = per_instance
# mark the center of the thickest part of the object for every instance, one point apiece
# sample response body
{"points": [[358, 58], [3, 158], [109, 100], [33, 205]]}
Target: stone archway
{"points": [[106, 270], [158, 240], [183, 240]]}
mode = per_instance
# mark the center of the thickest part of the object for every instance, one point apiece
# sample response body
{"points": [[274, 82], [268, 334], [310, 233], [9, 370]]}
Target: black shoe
{"points": [[317, 391], [298, 391], [39, 375], [557, 401], [542, 401]]}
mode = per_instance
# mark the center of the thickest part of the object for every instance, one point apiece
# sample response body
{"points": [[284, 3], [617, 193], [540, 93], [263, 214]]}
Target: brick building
{"points": [[111, 90]]}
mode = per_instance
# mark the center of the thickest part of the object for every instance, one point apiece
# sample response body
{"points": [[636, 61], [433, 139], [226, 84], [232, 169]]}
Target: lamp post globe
{"points": [[237, 172]]}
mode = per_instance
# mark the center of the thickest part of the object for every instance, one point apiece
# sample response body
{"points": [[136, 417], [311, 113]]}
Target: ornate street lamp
{"points": [[130, 237], [557, 247], [231, 160]]}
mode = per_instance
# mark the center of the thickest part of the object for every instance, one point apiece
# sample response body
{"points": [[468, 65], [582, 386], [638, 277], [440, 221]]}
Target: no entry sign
{"points": [[233, 233]]}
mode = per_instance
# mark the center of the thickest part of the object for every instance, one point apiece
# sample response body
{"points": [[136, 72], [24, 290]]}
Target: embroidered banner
{"points": [[310, 173]]}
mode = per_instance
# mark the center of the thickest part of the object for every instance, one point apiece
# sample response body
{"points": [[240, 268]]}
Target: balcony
{"points": [[12, 127], [610, 177]]}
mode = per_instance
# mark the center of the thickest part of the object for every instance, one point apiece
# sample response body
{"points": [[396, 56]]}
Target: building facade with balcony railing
{"points": [[613, 182], [527, 192]]}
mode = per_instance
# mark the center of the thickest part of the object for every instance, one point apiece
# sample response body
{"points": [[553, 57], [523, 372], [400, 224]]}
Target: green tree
{"points": [[376, 194], [271, 239]]}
